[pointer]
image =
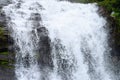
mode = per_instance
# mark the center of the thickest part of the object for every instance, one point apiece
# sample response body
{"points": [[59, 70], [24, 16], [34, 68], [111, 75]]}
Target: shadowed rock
{"points": [[6, 74], [45, 57], [6, 57]]}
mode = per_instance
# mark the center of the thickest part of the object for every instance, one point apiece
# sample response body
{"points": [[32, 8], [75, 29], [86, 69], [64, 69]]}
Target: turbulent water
{"points": [[58, 40]]}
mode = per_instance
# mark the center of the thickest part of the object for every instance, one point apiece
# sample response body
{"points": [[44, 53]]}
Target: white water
{"points": [[78, 39]]}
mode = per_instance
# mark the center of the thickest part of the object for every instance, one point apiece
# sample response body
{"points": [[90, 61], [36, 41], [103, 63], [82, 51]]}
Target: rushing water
{"points": [[58, 40]]}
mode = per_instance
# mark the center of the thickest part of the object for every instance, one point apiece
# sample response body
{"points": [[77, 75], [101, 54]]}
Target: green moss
{"points": [[3, 37], [2, 33], [5, 63], [5, 53]]}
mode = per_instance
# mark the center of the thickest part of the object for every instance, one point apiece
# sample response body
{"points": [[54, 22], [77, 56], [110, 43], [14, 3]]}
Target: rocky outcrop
{"points": [[45, 56], [44, 42], [6, 57]]}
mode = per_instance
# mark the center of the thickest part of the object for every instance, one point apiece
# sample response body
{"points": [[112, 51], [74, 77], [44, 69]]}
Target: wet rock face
{"points": [[6, 42], [6, 74], [2, 18], [45, 57], [112, 31], [116, 52], [44, 42], [7, 59]]}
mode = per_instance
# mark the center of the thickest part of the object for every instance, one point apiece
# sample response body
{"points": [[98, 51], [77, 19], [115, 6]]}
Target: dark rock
{"points": [[45, 56], [3, 49], [7, 57], [44, 52], [2, 18], [26, 61], [7, 74], [116, 51], [3, 57]]}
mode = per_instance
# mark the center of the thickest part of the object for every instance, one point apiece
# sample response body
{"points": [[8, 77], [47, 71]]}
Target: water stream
{"points": [[58, 40]]}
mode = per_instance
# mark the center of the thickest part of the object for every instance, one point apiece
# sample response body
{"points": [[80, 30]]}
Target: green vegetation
{"points": [[5, 62], [3, 37], [4, 53], [2, 33]]}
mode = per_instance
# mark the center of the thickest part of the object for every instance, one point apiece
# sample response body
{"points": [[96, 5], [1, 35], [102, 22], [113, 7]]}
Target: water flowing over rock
{"points": [[4, 2], [58, 40]]}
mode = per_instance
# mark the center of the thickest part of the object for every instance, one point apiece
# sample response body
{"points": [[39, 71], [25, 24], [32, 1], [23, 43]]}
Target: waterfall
{"points": [[58, 40]]}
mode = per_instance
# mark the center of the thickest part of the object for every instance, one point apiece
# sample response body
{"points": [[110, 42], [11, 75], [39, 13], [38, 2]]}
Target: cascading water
{"points": [[57, 40]]}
